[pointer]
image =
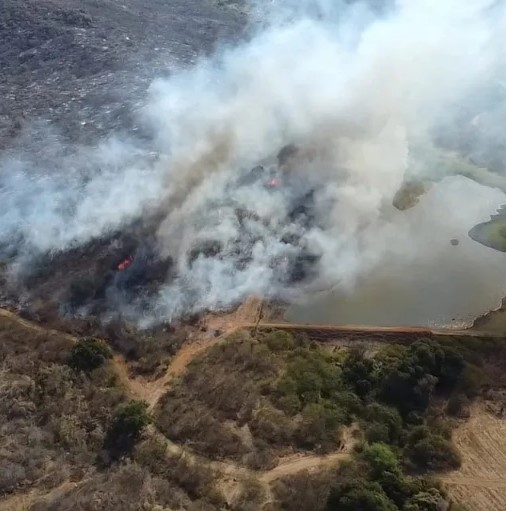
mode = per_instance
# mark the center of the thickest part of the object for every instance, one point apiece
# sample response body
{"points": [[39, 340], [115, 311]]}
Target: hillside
{"points": [[244, 421], [83, 67], [134, 373]]}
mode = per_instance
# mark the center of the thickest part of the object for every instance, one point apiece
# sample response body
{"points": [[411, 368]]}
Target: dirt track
{"points": [[481, 480], [401, 334], [151, 391], [298, 463]]}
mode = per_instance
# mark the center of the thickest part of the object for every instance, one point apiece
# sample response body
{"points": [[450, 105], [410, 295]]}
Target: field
{"points": [[480, 484]]}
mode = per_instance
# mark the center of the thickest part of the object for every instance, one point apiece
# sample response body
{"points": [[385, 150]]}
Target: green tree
{"points": [[381, 458], [388, 417], [358, 372], [359, 496], [430, 500], [432, 452], [88, 354], [395, 486], [130, 419], [311, 375], [377, 432], [450, 369], [320, 425], [128, 422]]}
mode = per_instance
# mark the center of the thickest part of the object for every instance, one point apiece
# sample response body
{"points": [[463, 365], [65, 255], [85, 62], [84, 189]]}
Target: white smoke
{"points": [[360, 92]]}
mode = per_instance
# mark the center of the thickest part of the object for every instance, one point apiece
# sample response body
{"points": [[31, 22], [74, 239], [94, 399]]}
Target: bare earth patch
{"points": [[480, 484]]}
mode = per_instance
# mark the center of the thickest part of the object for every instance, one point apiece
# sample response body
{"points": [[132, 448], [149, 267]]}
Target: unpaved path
{"points": [[487, 483], [326, 331], [249, 316], [224, 324], [34, 326], [152, 391], [299, 463], [294, 464]]}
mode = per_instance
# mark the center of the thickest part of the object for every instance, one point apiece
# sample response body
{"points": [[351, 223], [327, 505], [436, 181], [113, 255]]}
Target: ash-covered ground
{"points": [[72, 73], [83, 66], [137, 179]]}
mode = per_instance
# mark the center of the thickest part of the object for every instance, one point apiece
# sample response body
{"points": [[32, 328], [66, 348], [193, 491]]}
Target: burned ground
{"points": [[118, 276], [83, 66]]}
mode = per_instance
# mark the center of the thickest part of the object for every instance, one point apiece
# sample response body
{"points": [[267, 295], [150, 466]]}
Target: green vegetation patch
{"points": [[491, 234], [253, 399], [89, 354]]}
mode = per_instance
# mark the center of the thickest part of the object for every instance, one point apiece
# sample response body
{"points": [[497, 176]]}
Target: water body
{"points": [[429, 279]]}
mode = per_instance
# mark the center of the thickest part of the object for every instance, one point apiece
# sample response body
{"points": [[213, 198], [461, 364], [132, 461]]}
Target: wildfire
{"points": [[273, 182], [126, 263]]}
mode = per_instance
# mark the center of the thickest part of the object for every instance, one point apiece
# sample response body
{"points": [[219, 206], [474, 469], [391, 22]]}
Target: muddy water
{"points": [[426, 280]]}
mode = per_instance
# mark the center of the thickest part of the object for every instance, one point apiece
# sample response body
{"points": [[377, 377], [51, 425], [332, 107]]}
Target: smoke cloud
{"points": [[369, 98]]}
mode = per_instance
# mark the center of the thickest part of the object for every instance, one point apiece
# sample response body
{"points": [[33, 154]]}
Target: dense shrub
{"points": [[303, 491], [130, 418], [430, 500], [88, 354], [127, 424], [279, 340], [360, 495], [53, 418], [376, 432], [428, 451], [384, 419], [381, 458], [320, 426], [359, 373], [311, 376], [409, 377]]}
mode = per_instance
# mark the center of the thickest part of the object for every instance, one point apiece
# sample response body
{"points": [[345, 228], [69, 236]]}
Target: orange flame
{"points": [[126, 263]]}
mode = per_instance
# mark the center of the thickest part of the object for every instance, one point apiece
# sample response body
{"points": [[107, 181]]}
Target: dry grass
{"points": [[52, 428], [480, 484], [52, 420], [218, 404], [209, 406]]}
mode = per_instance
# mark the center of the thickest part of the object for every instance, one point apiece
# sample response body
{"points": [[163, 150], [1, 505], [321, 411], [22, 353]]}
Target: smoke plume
{"points": [[368, 98]]}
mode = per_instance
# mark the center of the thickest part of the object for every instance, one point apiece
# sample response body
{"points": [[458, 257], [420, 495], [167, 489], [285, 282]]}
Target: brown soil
{"points": [[294, 464], [480, 484]]}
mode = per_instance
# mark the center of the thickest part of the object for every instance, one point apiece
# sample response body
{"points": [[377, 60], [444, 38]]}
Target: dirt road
{"points": [[402, 334], [481, 426]]}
